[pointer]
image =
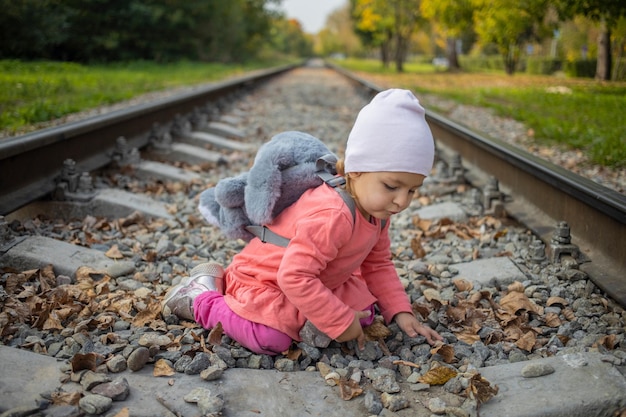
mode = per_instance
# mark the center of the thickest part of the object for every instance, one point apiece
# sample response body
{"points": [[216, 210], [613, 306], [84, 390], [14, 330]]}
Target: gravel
{"points": [[561, 311]]}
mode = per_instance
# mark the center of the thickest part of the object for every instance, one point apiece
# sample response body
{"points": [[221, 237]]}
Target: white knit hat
{"points": [[391, 134]]}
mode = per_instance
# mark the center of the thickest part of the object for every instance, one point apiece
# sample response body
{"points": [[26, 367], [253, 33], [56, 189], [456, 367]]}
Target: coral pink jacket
{"points": [[333, 265]]}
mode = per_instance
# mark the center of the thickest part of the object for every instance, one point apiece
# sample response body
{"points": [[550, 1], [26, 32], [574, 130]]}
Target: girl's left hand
{"points": [[412, 327]]}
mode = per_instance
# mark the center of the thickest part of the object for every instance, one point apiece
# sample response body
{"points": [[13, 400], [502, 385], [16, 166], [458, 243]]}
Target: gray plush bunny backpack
{"points": [[284, 168]]}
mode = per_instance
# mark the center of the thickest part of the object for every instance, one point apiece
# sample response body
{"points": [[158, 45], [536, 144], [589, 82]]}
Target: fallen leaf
{"points": [[438, 375], [65, 398], [349, 389], [88, 361], [609, 341], [480, 389], [515, 301], [516, 287], [377, 330], [406, 363], [431, 294], [162, 368], [417, 247], [215, 335], [462, 284], [446, 351], [114, 253], [553, 320], [527, 341], [122, 413], [556, 300]]}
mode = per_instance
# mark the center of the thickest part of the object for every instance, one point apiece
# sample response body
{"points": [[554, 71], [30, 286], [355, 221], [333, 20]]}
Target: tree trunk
{"points": [[453, 58], [603, 66], [401, 48]]}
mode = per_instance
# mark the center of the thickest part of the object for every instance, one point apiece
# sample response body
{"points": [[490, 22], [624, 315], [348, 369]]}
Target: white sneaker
{"points": [[179, 299]]}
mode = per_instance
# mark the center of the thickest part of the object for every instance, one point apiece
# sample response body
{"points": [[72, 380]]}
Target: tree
{"points": [[604, 12], [337, 35], [509, 24], [455, 16], [388, 24]]}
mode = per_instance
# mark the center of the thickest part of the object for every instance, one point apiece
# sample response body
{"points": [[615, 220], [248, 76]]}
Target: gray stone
{"points": [[95, 404], [138, 359], [534, 370]]}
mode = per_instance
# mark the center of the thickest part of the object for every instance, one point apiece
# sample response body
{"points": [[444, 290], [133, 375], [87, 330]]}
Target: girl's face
{"points": [[381, 194]]}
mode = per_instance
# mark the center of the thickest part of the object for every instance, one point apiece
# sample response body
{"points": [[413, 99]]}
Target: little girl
{"points": [[337, 266]]}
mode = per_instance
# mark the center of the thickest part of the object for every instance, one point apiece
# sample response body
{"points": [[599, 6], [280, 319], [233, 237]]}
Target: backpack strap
{"points": [[325, 169]]}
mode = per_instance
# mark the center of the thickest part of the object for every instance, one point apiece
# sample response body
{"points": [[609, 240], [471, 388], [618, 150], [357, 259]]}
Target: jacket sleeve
{"points": [[382, 279], [316, 242]]}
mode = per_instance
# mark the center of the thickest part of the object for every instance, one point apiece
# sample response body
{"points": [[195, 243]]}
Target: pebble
{"points": [[95, 404], [117, 390], [138, 359], [534, 370], [211, 373]]}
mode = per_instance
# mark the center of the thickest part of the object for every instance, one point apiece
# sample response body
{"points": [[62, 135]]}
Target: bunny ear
{"points": [[263, 191], [209, 208], [229, 192]]}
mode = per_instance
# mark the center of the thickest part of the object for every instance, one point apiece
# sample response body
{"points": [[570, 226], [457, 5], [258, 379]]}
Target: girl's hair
{"points": [[341, 170]]}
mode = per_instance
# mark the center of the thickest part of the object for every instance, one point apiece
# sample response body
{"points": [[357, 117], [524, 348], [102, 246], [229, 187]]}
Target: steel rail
{"points": [[29, 164], [540, 195]]}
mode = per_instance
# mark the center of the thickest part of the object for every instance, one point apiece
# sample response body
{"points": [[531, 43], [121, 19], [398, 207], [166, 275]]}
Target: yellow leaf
{"points": [[438, 375], [462, 284], [162, 368], [114, 253]]}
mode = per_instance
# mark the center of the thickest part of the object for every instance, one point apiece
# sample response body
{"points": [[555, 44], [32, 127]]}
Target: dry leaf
{"points": [[406, 363], [462, 284], [293, 353], [162, 368], [446, 351], [515, 301], [123, 413], [377, 330], [556, 300], [516, 287], [88, 361], [609, 341], [349, 389], [527, 341], [65, 398], [114, 253], [553, 320], [432, 294], [480, 389], [417, 247], [438, 375], [215, 335]]}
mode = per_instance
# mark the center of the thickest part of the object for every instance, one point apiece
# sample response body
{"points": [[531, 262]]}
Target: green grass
{"points": [[588, 116], [34, 92]]}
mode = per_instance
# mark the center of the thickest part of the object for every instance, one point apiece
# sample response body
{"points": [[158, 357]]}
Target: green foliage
{"points": [[580, 68], [122, 30], [33, 92], [545, 66]]}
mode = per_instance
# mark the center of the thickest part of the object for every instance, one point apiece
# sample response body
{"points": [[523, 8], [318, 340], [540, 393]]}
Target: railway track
{"points": [[536, 193], [118, 192]]}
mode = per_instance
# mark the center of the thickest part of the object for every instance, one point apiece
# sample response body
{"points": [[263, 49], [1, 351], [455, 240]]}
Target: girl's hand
{"points": [[412, 327], [355, 331]]}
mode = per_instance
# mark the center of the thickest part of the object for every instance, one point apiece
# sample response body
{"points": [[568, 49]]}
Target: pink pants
{"points": [[210, 308]]}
